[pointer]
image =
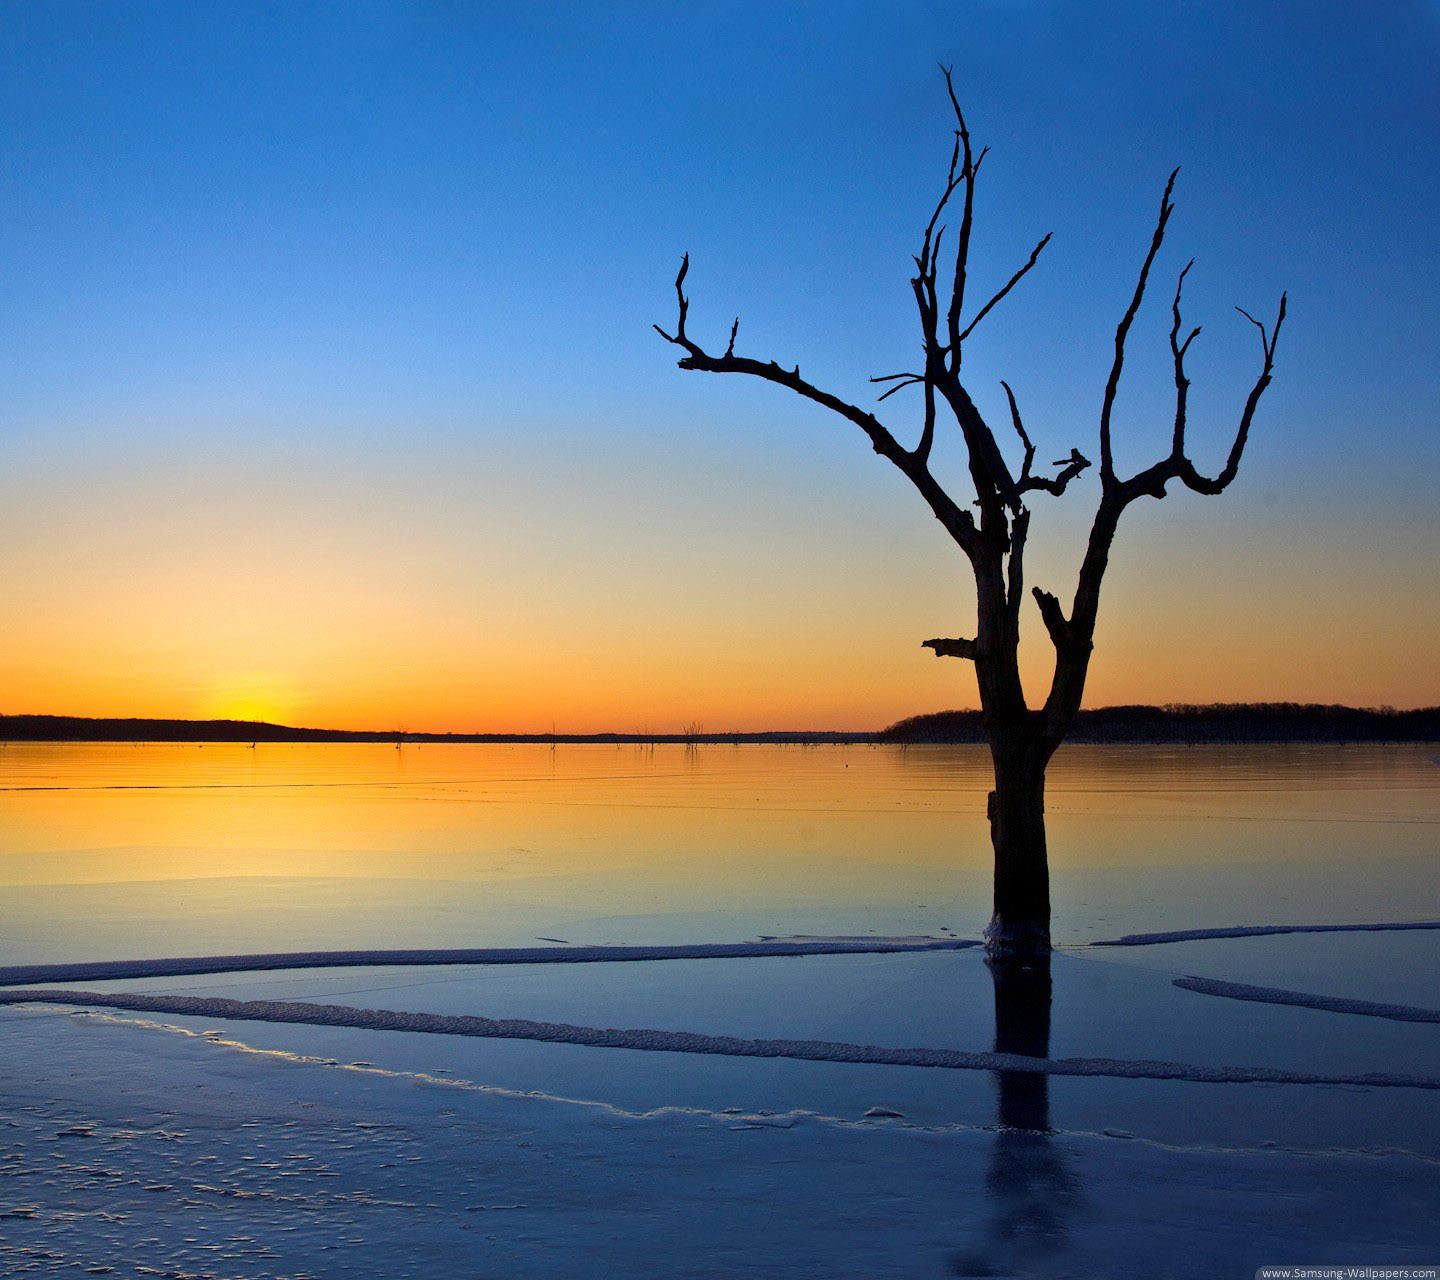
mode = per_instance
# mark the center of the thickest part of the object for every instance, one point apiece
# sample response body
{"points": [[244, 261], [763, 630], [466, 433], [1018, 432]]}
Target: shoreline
{"points": [[1216, 724]]}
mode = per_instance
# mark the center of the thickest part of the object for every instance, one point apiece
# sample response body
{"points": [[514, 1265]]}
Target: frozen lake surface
{"points": [[194, 1146]]}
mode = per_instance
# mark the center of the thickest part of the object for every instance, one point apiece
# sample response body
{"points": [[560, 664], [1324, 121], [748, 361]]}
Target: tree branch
{"points": [[1107, 460], [1054, 618], [927, 432], [959, 523], [1019, 431], [1152, 481], [1068, 685], [951, 648], [1015, 571], [1202, 484], [962, 250], [923, 283], [1069, 468], [1009, 284], [901, 381], [994, 486], [1177, 352], [1072, 466]]}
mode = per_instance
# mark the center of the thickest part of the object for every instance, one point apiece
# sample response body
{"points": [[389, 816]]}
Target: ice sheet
{"points": [[651, 1040], [132, 1147]]}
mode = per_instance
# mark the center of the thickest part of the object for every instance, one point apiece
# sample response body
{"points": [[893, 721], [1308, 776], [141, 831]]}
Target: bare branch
{"points": [[679, 338], [929, 251], [1177, 352], [899, 386], [994, 486], [927, 432], [1020, 431], [1054, 617], [1069, 468], [987, 466], [935, 257], [951, 648], [1009, 284], [683, 301], [1268, 344], [1068, 684], [959, 523], [1152, 481], [1015, 570], [924, 282], [901, 381], [1107, 460], [1072, 466], [962, 250], [1187, 472]]}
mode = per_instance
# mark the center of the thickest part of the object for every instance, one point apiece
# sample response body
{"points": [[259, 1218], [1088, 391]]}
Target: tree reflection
{"points": [[1031, 1193]]}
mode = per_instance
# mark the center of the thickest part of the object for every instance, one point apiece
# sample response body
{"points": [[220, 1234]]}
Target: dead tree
{"points": [[1022, 740]]}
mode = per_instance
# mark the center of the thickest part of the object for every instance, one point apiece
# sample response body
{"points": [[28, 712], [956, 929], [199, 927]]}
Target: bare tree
{"points": [[1021, 740]]}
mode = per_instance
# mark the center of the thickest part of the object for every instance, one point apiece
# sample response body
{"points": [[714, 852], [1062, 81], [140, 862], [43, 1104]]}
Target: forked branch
{"points": [[1078, 631], [1070, 467], [958, 522], [1122, 331], [1188, 473], [1152, 480]]}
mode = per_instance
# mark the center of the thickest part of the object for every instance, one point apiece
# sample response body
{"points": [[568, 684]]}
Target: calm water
{"points": [[109, 851], [121, 851]]}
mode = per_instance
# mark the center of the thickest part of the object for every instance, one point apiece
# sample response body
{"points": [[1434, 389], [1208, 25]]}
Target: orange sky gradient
{"points": [[444, 597], [329, 392]]}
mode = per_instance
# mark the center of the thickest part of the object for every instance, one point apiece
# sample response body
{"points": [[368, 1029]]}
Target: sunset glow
{"points": [[383, 438]]}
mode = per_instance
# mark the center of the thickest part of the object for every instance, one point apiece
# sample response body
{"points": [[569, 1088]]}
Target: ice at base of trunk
{"points": [[1016, 940]]}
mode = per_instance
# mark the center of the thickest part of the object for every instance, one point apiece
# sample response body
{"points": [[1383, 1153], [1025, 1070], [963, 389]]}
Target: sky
{"points": [[328, 392]]}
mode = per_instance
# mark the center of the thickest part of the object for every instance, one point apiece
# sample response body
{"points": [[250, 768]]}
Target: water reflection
{"points": [[1032, 1195], [106, 847]]}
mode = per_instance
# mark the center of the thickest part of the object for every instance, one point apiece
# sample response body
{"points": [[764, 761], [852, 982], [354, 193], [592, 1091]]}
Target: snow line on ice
{"points": [[735, 1115], [1302, 999], [17, 975], [649, 1040], [1257, 931]]}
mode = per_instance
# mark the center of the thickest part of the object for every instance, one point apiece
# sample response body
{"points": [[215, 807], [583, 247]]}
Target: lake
{"points": [[733, 1165], [117, 850]]}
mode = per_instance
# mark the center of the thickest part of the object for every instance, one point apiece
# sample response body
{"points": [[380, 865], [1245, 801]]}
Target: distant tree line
{"points": [[1175, 722], [24, 728], [1188, 723]]}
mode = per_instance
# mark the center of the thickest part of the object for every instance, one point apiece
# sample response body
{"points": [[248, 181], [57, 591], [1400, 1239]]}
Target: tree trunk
{"points": [[1020, 926]]}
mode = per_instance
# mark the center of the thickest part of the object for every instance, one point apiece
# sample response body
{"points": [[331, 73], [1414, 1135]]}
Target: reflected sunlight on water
{"points": [[109, 849]]}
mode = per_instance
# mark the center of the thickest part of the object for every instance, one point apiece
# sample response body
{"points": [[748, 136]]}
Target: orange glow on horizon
{"points": [[168, 598]]}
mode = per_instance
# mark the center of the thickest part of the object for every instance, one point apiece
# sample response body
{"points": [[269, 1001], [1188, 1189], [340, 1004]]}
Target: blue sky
{"points": [[382, 275]]}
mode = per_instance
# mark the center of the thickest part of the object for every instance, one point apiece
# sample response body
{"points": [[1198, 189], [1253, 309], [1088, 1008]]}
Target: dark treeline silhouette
{"points": [[1184, 723], [87, 729], [1217, 722]]}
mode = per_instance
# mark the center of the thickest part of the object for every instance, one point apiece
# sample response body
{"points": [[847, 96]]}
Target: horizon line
{"points": [[1177, 715]]}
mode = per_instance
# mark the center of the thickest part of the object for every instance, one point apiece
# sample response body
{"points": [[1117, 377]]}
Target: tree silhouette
{"points": [[1021, 740]]}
